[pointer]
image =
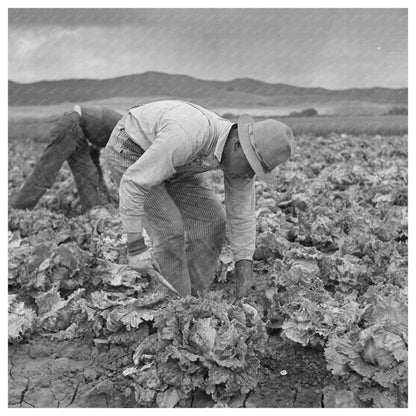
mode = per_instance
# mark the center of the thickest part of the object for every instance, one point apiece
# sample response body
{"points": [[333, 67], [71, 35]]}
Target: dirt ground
{"points": [[45, 373], [79, 373]]}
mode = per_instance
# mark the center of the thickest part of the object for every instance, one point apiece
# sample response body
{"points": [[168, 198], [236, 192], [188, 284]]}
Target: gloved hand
{"points": [[147, 265], [99, 212], [143, 262], [244, 277]]}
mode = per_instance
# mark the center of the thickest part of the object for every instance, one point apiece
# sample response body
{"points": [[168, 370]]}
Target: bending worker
{"points": [[157, 153], [77, 137]]}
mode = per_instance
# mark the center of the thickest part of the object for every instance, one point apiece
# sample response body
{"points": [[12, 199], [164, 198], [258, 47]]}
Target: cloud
{"points": [[76, 17], [319, 47]]}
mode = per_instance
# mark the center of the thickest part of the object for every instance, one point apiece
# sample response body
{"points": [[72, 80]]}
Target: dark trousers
{"points": [[67, 143]]}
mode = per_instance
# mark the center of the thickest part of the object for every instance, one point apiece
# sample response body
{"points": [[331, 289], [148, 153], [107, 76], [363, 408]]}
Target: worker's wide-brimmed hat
{"points": [[266, 144]]}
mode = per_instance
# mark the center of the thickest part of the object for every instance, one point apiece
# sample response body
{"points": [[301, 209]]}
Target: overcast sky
{"points": [[332, 48]]}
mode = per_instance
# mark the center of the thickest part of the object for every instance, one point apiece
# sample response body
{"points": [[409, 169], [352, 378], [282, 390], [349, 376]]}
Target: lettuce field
{"points": [[325, 326]]}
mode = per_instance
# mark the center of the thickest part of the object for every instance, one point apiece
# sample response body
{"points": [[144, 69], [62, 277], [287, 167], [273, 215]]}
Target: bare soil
{"points": [[52, 374], [78, 373]]}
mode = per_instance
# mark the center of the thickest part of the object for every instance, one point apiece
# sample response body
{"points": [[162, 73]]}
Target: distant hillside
{"points": [[243, 92]]}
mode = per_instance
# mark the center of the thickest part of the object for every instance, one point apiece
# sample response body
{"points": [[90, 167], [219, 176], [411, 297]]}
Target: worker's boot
{"points": [[28, 196]]}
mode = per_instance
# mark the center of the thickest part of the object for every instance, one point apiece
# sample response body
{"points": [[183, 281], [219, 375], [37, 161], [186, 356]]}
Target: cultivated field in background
{"points": [[34, 121], [356, 125]]}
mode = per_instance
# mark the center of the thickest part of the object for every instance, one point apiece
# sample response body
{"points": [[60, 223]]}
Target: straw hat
{"points": [[266, 144]]}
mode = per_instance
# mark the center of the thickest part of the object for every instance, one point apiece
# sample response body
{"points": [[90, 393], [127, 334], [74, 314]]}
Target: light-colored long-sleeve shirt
{"points": [[180, 139]]}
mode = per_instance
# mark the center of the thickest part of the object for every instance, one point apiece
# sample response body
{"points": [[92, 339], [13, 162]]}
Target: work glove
{"points": [[244, 277], [143, 262], [99, 212], [140, 258]]}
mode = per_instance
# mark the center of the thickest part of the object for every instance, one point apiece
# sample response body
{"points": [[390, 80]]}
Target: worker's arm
{"points": [[241, 220]]}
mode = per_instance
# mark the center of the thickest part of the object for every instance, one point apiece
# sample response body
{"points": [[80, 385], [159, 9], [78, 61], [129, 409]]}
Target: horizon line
{"points": [[207, 80]]}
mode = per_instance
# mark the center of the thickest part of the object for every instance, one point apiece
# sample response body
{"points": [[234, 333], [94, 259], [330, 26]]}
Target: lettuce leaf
{"points": [[204, 344], [21, 319]]}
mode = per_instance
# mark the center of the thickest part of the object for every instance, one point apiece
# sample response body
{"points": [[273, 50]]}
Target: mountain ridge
{"points": [[236, 92]]}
